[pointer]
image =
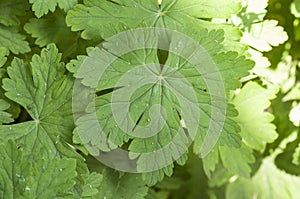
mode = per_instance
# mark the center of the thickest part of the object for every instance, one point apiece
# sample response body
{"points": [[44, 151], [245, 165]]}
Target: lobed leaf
{"points": [[42, 7], [252, 103]]}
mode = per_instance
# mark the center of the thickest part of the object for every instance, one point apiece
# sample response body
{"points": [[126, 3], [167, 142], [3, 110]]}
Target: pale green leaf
{"points": [[283, 76], [295, 115], [296, 156], [294, 94], [252, 102], [261, 62], [204, 8], [268, 183], [211, 161], [237, 160], [295, 8], [263, 35], [257, 6], [253, 11]]}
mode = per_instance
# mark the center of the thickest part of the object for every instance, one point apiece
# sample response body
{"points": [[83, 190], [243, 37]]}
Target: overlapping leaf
{"points": [[128, 186], [4, 116], [96, 18], [12, 40], [42, 7], [44, 91], [251, 103], [46, 32], [268, 183], [146, 96], [262, 36], [42, 178], [10, 10]]}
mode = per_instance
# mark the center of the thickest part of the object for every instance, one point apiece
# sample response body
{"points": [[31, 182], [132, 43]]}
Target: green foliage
{"points": [[159, 93], [242, 89], [47, 32], [10, 38], [97, 18], [15, 42], [120, 185], [41, 178], [251, 102], [42, 7], [11, 10], [268, 182], [4, 116]]}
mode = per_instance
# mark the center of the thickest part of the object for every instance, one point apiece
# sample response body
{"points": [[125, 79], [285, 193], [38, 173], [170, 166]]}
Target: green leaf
{"points": [[257, 6], [4, 116], [44, 91], [46, 32], [91, 184], [296, 156], [285, 128], [287, 158], [205, 8], [40, 177], [120, 185], [10, 10], [261, 62], [117, 137], [172, 136], [211, 161], [262, 36], [253, 11], [294, 115], [14, 108], [237, 160], [294, 94], [66, 5], [97, 19], [42, 7], [14, 42], [194, 183], [295, 8], [267, 183], [3, 53], [252, 102]]}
